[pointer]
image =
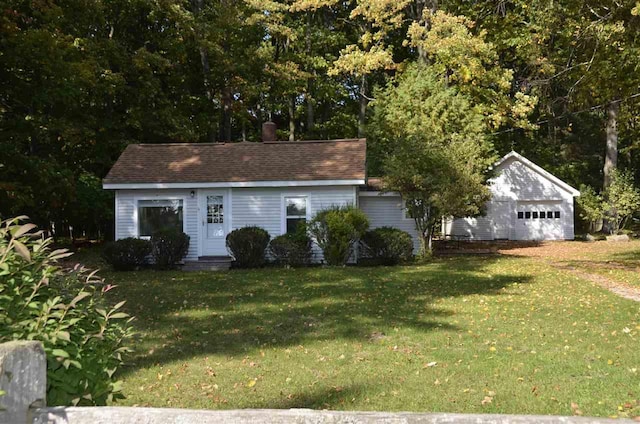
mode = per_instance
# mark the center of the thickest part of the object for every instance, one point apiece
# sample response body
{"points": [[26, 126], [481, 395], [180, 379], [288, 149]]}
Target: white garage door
{"points": [[539, 221]]}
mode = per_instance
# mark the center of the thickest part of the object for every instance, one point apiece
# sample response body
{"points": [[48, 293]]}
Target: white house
{"points": [[527, 203], [210, 189]]}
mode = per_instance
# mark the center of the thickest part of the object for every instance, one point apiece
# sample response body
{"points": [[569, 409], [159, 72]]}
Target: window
{"points": [[535, 215], [556, 214], [295, 212], [520, 215], [549, 214], [527, 215], [542, 215], [156, 215]]}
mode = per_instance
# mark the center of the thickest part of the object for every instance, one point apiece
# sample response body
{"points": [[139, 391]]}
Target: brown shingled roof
{"points": [[240, 162]]}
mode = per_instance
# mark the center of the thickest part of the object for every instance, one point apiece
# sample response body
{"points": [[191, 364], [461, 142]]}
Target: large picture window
{"points": [[156, 215], [295, 212]]}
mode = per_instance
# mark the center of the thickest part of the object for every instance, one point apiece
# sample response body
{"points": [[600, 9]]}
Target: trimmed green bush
{"points": [[247, 246], [386, 246], [292, 249], [336, 230], [168, 248], [68, 311], [126, 254]]}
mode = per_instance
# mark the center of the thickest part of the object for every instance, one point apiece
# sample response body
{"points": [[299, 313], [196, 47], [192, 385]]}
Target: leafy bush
{"points": [[622, 200], [247, 246], [615, 205], [591, 208], [126, 254], [337, 230], [168, 247], [292, 249], [67, 310], [387, 246]]}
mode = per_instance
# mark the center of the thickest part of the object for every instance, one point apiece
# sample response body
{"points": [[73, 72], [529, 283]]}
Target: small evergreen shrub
{"points": [[336, 230], [126, 254], [168, 248], [386, 246], [292, 249], [247, 246], [68, 311]]}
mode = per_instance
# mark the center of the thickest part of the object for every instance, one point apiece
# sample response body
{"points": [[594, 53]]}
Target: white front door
{"points": [[215, 222]]}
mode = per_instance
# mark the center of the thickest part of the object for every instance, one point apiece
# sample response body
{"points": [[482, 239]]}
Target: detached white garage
{"points": [[528, 203]]}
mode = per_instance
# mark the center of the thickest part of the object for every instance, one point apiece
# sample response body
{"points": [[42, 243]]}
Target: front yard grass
{"points": [[485, 334]]}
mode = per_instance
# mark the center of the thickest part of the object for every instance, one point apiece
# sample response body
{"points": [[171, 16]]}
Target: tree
{"points": [[591, 207], [436, 151], [621, 200]]}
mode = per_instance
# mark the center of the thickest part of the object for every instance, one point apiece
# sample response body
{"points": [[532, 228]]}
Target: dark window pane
{"points": [[549, 214], [292, 224], [535, 215], [296, 206], [520, 215], [527, 215], [556, 214], [542, 214], [156, 215]]}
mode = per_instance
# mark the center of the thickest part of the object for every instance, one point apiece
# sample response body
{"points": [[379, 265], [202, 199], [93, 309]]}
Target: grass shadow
{"points": [[183, 315]]}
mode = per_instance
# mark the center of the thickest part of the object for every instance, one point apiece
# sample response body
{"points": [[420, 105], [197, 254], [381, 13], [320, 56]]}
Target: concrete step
{"points": [[208, 263]]}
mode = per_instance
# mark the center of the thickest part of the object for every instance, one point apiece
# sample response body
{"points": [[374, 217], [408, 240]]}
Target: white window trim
{"points": [[136, 199], [283, 209], [403, 211]]}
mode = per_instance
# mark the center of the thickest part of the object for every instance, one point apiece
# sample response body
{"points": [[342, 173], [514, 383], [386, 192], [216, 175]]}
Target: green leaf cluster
{"points": [[68, 310], [336, 230]]}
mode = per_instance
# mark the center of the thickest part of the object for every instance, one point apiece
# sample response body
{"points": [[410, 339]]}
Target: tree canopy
{"points": [[557, 81]]}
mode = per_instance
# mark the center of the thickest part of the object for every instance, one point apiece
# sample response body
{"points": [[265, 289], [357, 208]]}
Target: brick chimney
{"points": [[269, 131]]}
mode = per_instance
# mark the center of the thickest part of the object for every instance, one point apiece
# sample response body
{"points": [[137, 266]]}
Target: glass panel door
{"points": [[215, 216]]}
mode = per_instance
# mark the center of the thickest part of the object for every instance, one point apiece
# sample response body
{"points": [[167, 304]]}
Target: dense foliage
{"points": [[556, 81], [247, 245], [67, 310], [386, 246], [168, 248], [126, 254], [292, 249], [337, 230], [613, 208], [434, 148]]}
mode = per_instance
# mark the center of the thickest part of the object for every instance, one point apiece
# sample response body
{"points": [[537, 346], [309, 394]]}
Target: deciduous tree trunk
{"points": [[363, 106], [204, 61], [292, 118], [611, 154]]}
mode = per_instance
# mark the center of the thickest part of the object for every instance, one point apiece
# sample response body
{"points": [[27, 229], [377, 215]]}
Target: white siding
{"points": [[515, 184], [126, 225], [517, 181], [263, 207], [388, 211]]}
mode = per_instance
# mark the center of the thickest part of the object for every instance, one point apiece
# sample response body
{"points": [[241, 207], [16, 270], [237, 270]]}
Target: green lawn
{"points": [[486, 334]]}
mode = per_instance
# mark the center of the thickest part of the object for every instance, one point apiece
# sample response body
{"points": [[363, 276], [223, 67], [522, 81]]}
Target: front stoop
{"points": [[208, 263]]}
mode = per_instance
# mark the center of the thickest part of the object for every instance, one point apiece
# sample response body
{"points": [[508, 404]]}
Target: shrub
{"points": [[168, 247], [247, 246], [292, 249], [68, 311], [126, 254], [337, 230], [387, 246]]}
